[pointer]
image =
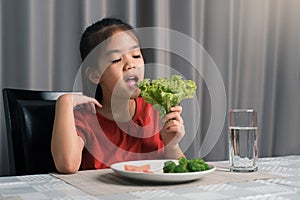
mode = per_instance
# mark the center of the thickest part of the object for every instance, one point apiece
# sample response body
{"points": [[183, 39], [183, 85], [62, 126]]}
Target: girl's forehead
{"points": [[122, 40]]}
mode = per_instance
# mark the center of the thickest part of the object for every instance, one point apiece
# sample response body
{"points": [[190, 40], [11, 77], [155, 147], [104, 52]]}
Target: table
{"points": [[283, 183]]}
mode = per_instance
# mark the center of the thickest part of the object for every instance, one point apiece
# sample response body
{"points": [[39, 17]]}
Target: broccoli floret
{"points": [[181, 168], [206, 166], [185, 165], [169, 167], [163, 93], [182, 161], [194, 167], [200, 161]]}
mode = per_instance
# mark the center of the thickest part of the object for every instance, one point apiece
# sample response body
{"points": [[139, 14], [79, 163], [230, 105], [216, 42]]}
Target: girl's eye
{"points": [[116, 60], [136, 56]]}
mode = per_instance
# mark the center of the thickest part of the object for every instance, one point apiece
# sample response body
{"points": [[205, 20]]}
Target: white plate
{"points": [[158, 175]]}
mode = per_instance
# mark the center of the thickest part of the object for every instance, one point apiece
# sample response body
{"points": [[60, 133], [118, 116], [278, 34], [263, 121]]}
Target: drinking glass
{"points": [[243, 140]]}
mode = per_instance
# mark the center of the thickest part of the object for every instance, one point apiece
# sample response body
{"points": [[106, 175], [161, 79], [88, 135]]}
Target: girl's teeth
{"points": [[131, 82]]}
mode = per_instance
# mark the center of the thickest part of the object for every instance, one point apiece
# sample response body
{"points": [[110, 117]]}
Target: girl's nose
{"points": [[129, 64]]}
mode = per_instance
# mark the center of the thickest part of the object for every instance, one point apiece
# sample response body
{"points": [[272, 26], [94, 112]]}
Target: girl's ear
{"points": [[93, 74]]}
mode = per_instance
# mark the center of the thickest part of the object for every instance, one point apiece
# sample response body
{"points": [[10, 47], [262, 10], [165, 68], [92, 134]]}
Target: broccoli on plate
{"points": [[185, 165]]}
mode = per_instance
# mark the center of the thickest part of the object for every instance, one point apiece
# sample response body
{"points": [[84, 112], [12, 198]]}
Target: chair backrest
{"points": [[29, 121]]}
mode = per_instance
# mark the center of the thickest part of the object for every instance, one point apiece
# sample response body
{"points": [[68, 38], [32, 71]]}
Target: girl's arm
{"points": [[172, 132], [66, 145]]}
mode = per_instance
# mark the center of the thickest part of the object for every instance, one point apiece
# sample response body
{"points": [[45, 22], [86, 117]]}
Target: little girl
{"points": [[110, 122]]}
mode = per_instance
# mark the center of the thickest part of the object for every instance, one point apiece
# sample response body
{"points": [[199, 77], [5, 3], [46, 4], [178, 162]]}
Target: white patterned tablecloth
{"points": [[287, 187]]}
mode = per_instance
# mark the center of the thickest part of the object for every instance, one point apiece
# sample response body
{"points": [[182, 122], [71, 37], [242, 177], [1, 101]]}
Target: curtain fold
{"points": [[254, 44]]}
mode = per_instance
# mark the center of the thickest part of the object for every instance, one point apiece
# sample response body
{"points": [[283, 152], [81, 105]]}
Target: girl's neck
{"points": [[121, 110]]}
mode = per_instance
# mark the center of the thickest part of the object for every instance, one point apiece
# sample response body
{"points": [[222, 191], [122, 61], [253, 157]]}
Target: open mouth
{"points": [[131, 81]]}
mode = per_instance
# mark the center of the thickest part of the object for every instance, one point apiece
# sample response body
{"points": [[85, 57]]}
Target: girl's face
{"points": [[122, 66]]}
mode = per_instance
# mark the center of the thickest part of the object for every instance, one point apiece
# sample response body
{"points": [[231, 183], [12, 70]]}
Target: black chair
{"points": [[29, 121]]}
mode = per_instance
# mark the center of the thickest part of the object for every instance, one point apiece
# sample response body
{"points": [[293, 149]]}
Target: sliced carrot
{"points": [[133, 168], [129, 167], [148, 171]]}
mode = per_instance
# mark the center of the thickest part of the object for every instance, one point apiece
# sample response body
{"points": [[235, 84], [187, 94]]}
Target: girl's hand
{"points": [[173, 130], [82, 101]]}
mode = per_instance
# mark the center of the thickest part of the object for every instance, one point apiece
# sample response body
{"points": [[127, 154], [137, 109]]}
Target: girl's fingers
{"points": [[173, 116], [176, 109], [94, 101], [172, 128], [80, 101], [173, 125], [97, 103]]}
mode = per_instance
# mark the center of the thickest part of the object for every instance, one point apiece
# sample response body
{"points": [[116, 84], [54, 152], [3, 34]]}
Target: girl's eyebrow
{"points": [[118, 50]]}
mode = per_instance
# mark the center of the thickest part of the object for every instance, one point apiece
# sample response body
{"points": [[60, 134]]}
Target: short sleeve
{"points": [[81, 124]]}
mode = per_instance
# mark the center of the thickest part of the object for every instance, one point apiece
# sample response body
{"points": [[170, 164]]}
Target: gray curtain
{"points": [[253, 44]]}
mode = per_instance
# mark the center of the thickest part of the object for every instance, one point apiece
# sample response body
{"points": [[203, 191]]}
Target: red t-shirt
{"points": [[107, 142]]}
